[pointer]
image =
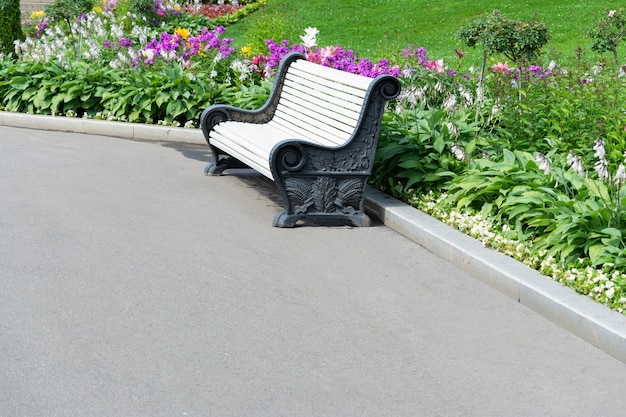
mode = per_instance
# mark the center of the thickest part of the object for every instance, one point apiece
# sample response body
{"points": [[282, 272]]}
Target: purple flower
{"points": [[41, 27], [125, 43]]}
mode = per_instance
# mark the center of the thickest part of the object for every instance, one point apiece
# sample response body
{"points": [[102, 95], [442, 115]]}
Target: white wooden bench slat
{"points": [[262, 139], [259, 141], [312, 87], [327, 108], [302, 133], [236, 150], [322, 119], [303, 121], [265, 136], [357, 81]]}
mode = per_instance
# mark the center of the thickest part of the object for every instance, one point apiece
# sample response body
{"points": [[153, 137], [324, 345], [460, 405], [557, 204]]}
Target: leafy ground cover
{"points": [[528, 158]]}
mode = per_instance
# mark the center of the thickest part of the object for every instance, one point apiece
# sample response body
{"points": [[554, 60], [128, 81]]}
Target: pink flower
{"points": [[328, 52], [434, 66], [314, 57], [611, 13], [500, 67]]}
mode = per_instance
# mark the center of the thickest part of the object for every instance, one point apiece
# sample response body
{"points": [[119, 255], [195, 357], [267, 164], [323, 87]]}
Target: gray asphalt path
{"points": [[133, 285]]}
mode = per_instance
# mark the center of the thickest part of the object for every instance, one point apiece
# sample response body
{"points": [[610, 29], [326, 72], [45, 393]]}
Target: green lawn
{"points": [[381, 28]]}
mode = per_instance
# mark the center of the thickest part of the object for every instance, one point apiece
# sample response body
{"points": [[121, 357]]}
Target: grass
{"points": [[378, 29]]}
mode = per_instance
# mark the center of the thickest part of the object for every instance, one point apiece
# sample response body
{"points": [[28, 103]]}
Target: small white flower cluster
{"points": [[598, 284], [173, 123], [242, 68]]}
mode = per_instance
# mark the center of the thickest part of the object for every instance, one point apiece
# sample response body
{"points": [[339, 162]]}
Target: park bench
{"points": [[315, 137]]}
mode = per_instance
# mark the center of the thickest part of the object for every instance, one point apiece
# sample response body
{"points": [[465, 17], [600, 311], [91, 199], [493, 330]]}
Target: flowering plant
{"points": [[330, 56]]}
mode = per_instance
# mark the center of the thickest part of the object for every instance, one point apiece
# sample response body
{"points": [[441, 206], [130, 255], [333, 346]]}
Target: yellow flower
{"points": [[183, 33], [246, 50], [38, 15], [97, 9]]}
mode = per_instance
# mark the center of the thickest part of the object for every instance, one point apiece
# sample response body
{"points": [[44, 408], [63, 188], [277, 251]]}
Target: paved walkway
{"points": [[134, 285]]}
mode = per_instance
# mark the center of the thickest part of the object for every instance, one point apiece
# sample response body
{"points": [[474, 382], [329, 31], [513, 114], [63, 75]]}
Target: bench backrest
{"points": [[321, 104]]}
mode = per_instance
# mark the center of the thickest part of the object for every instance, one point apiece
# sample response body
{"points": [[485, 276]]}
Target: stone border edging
{"points": [[136, 131], [576, 313]]}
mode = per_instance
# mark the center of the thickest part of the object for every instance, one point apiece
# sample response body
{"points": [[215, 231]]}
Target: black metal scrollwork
{"points": [[291, 157]]}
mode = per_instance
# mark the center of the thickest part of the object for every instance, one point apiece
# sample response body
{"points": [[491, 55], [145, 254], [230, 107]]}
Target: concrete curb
{"points": [[576, 313], [135, 131]]}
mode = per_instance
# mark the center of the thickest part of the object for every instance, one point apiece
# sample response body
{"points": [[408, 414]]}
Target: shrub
{"points": [[608, 31], [67, 11], [10, 26], [518, 40]]}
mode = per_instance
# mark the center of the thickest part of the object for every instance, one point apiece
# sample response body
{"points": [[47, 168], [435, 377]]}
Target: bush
{"points": [[67, 11], [10, 26], [608, 31], [518, 40]]}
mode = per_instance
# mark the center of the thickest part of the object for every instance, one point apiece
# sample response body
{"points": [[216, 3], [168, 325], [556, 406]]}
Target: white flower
{"points": [[620, 175], [602, 168], [543, 163], [466, 95], [450, 103], [309, 39], [459, 152], [576, 163], [452, 129], [599, 148]]}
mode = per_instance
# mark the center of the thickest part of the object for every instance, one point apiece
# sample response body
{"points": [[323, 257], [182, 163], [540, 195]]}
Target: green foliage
{"points": [[192, 23], [608, 31], [50, 88], [518, 40], [275, 24], [566, 216], [249, 6], [392, 25], [10, 27], [414, 149], [144, 8], [570, 108], [170, 95], [68, 10], [248, 96]]}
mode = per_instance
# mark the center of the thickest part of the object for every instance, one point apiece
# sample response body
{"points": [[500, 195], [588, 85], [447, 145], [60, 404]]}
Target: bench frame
{"points": [[316, 182]]}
